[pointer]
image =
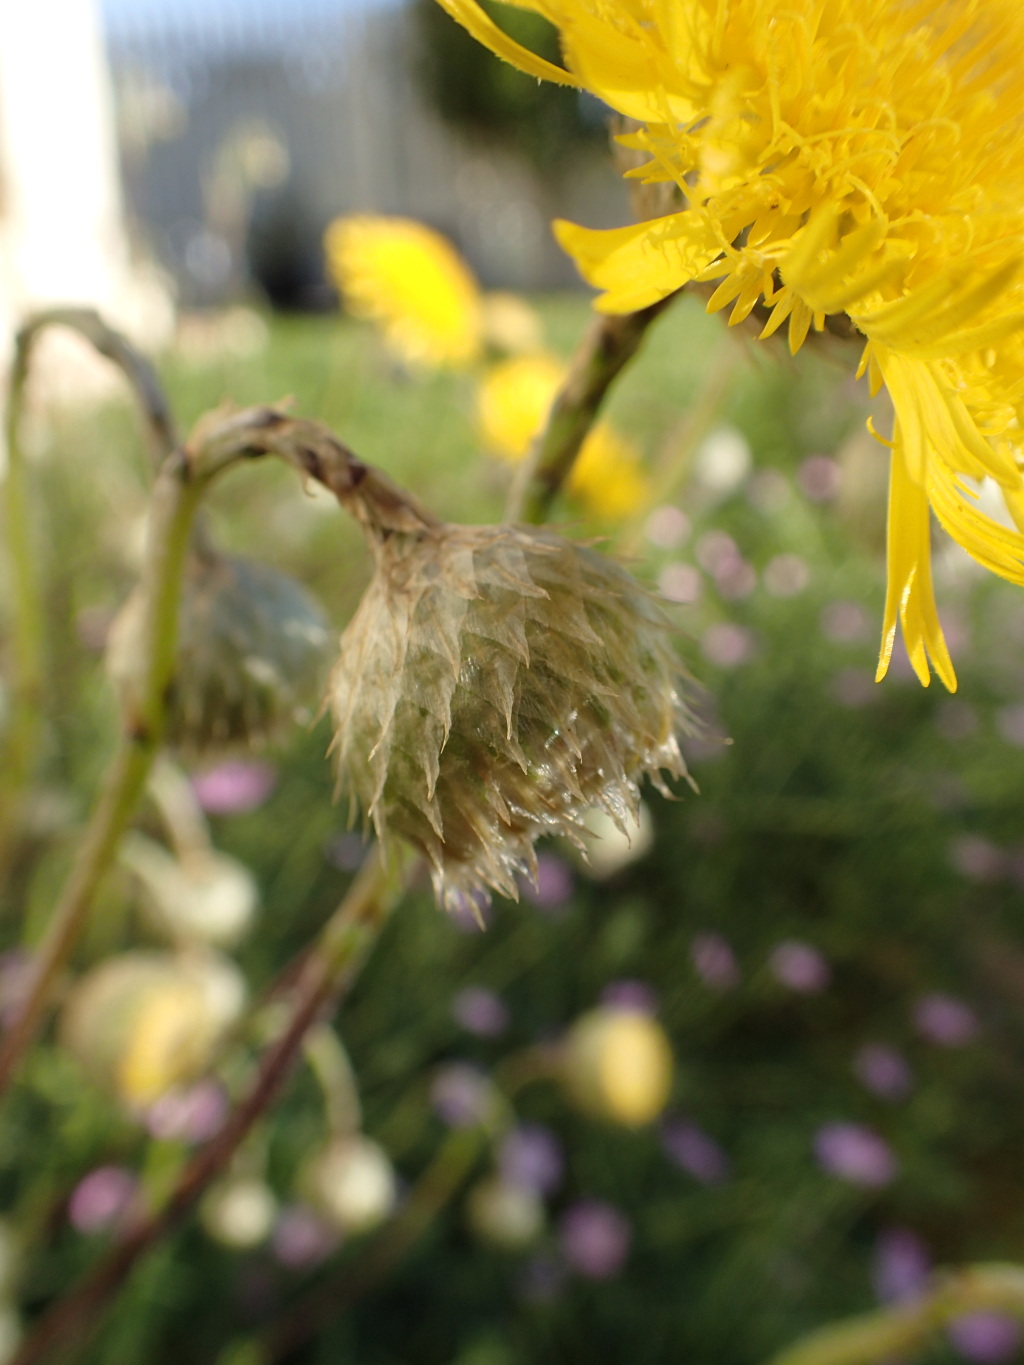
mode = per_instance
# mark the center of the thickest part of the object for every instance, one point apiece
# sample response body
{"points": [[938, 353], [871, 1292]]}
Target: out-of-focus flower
{"points": [[595, 1239], [786, 575], [883, 1071], [979, 859], [902, 1266], [205, 896], [987, 1337], [507, 1215], [617, 1065], [462, 1096], [722, 462], [510, 324], [819, 477], [630, 994], [613, 844], [102, 1199], [412, 283], [234, 787], [252, 652], [694, 1151], [944, 1020], [530, 1156], [551, 886], [667, 527], [811, 173], [513, 402], [192, 1115], [351, 1182], [302, 1238], [856, 1154], [495, 685], [800, 967], [715, 961], [144, 1022], [480, 1011], [726, 645], [239, 1212]]}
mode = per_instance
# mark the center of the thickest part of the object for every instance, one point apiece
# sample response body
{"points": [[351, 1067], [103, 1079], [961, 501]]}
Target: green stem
{"points": [[328, 970], [609, 345], [908, 1329]]}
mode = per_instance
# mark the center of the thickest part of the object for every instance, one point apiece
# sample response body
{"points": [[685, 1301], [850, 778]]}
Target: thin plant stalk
{"points": [[609, 344], [328, 971], [906, 1330], [28, 642]]}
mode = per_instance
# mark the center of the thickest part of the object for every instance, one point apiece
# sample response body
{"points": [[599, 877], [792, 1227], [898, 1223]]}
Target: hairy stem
{"points": [[907, 1329], [609, 345], [328, 970]]}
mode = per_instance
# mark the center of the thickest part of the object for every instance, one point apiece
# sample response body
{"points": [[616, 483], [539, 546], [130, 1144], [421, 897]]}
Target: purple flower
{"points": [[800, 967], [902, 1266], [819, 477], [530, 1157], [985, 1336], [883, 1071], [192, 1115], [594, 1237], [945, 1020], [853, 1152], [554, 883], [634, 996], [234, 787], [714, 961], [461, 1095], [301, 1238], [347, 851], [102, 1199], [480, 1011], [691, 1148]]}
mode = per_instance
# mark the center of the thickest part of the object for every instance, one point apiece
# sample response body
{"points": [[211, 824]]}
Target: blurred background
{"points": [[755, 1070]]}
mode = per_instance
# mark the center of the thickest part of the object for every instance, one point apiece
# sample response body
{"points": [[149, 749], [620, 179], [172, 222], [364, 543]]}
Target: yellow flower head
{"points": [[412, 283], [513, 401], [857, 157]]}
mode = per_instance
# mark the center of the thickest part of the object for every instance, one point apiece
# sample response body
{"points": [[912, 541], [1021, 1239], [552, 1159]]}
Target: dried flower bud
{"points": [[143, 1022], [251, 651], [495, 684]]}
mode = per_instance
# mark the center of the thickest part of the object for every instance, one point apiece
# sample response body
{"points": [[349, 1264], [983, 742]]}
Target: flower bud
{"points": [[617, 1065], [495, 684], [239, 1212], [352, 1182], [251, 649], [143, 1022], [204, 896], [506, 1215]]}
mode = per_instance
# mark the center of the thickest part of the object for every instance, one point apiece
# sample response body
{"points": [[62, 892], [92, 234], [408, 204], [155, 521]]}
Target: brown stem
{"points": [[328, 971], [608, 346]]}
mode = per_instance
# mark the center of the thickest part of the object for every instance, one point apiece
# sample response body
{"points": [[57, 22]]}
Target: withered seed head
{"points": [[251, 653], [496, 683]]}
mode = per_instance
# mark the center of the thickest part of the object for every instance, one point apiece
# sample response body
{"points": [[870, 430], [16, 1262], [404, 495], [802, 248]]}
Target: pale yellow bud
{"points": [[239, 1212], [505, 1215], [204, 896], [617, 1065], [352, 1182]]}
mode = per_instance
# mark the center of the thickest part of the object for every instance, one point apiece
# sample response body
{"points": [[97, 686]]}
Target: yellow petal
{"points": [[472, 18], [910, 597], [640, 264]]}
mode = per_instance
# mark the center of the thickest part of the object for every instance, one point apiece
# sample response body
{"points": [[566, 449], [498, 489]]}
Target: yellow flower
{"points": [[412, 283], [857, 157], [513, 402]]}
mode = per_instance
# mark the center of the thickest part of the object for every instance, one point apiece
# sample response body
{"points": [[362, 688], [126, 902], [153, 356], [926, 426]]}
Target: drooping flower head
{"points": [[513, 402], [412, 283], [836, 157], [495, 684]]}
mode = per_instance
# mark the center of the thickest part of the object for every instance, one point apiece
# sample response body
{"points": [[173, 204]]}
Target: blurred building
{"points": [[246, 125]]}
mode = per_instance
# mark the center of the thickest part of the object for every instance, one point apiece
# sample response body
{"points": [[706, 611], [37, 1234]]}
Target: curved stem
{"points": [[27, 612], [907, 1329], [608, 346], [328, 971]]}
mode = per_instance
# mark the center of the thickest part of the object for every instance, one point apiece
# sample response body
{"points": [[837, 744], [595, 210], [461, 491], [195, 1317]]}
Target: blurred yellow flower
{"points": [[617, 1065], [412, 283], [857, 157], [513, 401]]}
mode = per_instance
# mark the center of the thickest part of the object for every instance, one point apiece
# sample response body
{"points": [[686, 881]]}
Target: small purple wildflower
{"points": [[234, 787], [461, 1095], [530, 1157], [480, 1011], [883, 1071], [634, 996], [714, 961], [595, 1239], [694, 1151], [854, 1153], [987, 1337], [945, 1020], [102, 1199], [800, 967], [301, 1238], [901, 1267]]}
